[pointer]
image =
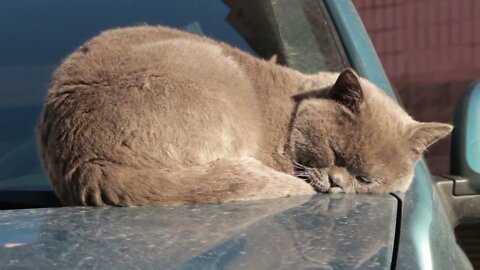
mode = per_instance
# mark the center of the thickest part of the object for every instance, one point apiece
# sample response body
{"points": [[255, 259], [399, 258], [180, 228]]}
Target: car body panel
{"points": [[345, 231], [357, 44]]}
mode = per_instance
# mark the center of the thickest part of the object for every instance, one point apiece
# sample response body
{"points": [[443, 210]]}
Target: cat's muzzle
{"points": [[319, 179]]}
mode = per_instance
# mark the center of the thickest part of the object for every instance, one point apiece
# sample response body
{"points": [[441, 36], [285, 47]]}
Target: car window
{"points": [[37, 34], [299, 33]]}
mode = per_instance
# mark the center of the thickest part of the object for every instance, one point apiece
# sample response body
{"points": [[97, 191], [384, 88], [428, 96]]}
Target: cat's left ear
{"points": [[347, 90], [425, 134]]}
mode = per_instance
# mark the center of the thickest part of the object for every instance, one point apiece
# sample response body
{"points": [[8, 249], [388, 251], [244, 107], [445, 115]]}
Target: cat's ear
{"points": [[422, 135], [347, 90]]}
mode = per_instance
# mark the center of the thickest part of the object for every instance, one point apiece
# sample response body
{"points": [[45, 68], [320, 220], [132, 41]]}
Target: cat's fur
{"points": [[148, 115]]}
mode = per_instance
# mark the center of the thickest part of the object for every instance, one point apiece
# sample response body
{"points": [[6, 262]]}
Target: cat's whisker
{"points": [[305, 176], [298, 165]]}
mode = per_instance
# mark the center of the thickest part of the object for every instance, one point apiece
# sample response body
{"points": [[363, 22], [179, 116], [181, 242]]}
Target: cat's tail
{"points": [[103, 183]]}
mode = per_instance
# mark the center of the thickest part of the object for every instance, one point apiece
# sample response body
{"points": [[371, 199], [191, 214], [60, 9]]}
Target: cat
{"points": [[153, 115]]}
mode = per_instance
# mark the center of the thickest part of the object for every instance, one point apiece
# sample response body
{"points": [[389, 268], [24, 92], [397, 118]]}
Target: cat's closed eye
{"points": [[363, 179]]}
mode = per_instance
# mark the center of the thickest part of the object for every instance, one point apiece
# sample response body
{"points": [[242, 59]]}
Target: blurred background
{"points": [[430, 50]]}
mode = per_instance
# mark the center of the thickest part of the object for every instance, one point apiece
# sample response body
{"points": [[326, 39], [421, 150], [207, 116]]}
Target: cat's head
{"points": [[352, 137]]}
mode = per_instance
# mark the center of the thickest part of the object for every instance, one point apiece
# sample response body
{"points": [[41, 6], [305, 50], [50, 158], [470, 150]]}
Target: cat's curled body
{"points": [[153, 115]]}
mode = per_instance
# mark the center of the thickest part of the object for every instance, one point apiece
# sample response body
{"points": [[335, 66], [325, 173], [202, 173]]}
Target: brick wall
{"points": [[430, 50]]}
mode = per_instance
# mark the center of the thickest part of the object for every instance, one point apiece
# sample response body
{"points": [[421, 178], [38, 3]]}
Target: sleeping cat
{"points": [[152, 115]]}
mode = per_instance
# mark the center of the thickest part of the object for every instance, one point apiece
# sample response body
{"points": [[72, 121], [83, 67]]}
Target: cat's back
{"points": [[147, 50], [152, 89]]}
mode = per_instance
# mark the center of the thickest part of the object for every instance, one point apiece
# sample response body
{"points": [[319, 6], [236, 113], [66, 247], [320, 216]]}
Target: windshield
{"points": [[296, 32]]}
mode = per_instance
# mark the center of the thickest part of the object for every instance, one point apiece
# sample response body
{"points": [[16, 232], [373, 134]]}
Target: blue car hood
{"points": [[342, 231]]}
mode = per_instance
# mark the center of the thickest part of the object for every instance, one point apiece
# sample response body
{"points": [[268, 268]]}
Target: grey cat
{"points": [[152, 115]]}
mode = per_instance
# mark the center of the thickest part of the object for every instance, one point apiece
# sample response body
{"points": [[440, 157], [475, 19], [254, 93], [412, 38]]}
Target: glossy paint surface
{"points": [[323, 231]]}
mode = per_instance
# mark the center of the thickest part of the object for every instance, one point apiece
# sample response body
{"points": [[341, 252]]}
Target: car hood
{"points": [[343, 231]]}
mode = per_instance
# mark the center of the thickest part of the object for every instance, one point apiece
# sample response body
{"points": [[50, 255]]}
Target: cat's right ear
{"points": [[347, 90]]}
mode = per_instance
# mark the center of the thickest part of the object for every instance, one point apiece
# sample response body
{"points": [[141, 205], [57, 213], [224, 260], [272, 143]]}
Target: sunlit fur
{"points": [[379, 142], [153, 115]]}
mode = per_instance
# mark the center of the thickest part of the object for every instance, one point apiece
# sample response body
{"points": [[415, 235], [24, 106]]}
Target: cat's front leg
{"points": [[251, 179]]}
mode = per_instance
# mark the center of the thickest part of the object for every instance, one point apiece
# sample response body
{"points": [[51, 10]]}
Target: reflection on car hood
{"points": [[331, 231]]}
